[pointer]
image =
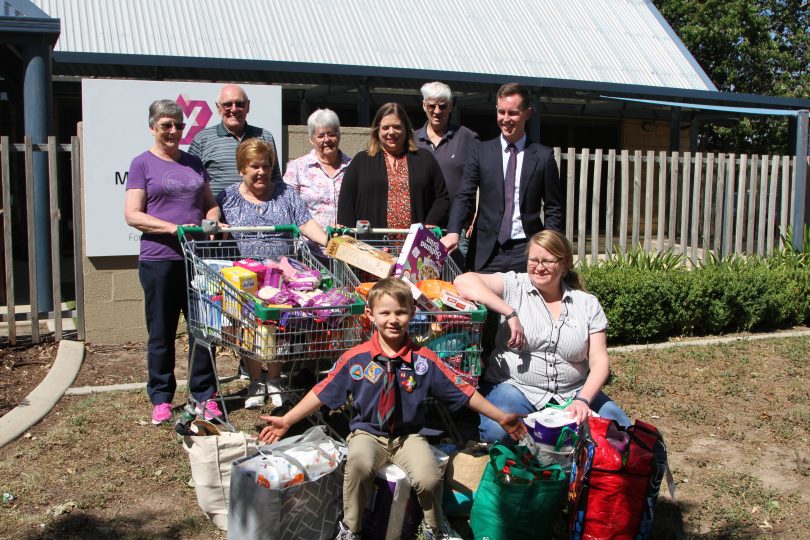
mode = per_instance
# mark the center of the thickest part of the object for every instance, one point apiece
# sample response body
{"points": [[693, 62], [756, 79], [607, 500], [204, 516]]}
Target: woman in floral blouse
{"points": [[317, 176], [393, 184]]}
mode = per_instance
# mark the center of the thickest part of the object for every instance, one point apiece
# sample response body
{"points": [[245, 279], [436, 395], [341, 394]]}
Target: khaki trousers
{"points": [[411, 453]]}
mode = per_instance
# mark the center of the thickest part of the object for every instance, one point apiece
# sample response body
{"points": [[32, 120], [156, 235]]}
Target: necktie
{"points": [[505, 232], [388, 396]]}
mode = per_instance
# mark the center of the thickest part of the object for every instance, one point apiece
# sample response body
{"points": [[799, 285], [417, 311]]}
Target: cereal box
{"points": [[365, 257], [422, 255]]}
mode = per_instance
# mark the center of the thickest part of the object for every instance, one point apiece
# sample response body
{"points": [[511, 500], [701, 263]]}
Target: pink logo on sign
{"points": [[201, 119]]}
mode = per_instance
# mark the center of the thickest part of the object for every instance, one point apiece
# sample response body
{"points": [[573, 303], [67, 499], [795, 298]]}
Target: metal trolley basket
{"points": [[455, 336], [222, 315]]}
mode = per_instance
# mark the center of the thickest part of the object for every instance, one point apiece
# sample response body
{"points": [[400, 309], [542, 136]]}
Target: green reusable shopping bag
{"points": [[517, 498]]}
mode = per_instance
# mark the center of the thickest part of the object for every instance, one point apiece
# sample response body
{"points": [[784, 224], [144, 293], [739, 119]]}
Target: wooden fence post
{"points": [[595, 203], [5, 157]]}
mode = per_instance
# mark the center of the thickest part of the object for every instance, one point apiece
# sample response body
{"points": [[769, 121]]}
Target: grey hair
{"points": [[322, 118], [436, 90], [164, 108]]}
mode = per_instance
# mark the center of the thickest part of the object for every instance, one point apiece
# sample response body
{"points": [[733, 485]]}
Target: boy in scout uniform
{"points": [[390, 377]]}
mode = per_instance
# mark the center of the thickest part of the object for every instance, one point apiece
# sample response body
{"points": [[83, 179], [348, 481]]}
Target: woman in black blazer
{"points": [[393, 184]]}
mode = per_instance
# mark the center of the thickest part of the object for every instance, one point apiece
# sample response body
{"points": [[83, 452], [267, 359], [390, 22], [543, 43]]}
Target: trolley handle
{"points": [[211, 226], [364, 227]]}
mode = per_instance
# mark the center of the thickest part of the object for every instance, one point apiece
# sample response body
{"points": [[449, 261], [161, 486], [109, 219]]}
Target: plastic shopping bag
{"points": [[615, 480], [211, 457], [516, 498], [302, 502]]}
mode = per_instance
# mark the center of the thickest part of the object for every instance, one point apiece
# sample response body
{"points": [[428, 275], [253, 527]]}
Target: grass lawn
{"points": [[736, 419]]}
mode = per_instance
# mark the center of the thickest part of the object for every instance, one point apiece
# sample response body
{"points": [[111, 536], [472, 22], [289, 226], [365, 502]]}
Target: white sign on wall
{"points": [[115, 115]]}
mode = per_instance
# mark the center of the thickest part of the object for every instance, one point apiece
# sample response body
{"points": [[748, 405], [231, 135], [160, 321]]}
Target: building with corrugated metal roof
{"points": [[603, 74], [578, 56]]}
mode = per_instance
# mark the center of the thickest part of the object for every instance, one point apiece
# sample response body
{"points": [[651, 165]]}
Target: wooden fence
{"points": [[10, 314], [688, 203], [617, 201]]}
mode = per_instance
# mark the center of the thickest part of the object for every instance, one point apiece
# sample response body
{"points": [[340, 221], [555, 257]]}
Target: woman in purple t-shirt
{"points": [[167, 187]]}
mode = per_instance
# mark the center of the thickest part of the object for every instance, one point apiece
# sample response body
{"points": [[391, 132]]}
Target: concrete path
{"points": [[709, 341], [42, 399], [70, 356]]}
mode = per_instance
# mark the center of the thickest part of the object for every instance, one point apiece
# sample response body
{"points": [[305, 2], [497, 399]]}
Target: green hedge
{"points": [[644, 305]]}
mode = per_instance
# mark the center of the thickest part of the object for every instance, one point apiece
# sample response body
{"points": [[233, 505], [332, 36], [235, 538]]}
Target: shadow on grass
{"points": [[77, 526], [668, 520], [669, 525]]}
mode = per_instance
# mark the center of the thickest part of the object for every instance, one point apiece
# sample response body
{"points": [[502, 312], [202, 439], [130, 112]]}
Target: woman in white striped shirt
{"points": [[551, 345]]}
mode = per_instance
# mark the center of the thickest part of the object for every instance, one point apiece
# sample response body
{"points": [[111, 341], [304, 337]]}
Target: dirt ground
{"points": [[736, 419]]}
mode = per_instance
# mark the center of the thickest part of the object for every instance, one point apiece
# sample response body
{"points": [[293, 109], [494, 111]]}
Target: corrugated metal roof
{"points": [[611, 41]]}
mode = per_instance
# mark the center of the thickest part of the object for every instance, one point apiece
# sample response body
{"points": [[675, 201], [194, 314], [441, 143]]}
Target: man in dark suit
{"points": [[513, 176]]}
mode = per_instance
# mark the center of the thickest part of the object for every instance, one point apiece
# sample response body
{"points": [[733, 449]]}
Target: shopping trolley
{"points": [[453, 335], [219, 314]]}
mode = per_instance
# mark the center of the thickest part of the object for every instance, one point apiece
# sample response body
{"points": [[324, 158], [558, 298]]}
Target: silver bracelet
{"points": [[583, 400]]}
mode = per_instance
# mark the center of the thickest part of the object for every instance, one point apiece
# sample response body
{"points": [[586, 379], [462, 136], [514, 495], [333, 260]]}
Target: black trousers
{"points": [[509, 256], [165, 293]]}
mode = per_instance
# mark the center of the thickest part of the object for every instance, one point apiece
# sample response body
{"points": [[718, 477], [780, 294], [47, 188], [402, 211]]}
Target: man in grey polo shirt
{"points": [[450, 145], [216, 145]]}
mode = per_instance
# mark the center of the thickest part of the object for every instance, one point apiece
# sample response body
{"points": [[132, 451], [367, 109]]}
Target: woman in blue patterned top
{"points": [[257, 202]]}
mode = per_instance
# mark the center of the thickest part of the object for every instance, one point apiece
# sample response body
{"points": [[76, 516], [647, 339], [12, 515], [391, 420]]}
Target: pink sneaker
{"points": [[162, 412], [211, 409]]}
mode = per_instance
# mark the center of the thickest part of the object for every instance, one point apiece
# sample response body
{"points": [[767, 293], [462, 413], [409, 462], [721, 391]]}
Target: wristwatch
{"points": [[513, 314]]}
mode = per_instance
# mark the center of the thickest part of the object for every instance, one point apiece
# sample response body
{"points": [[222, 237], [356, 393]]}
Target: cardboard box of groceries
{"points": [[361, 255]]}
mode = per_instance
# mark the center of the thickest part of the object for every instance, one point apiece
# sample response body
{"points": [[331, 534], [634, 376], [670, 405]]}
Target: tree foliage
{"points": [[748, 46]]}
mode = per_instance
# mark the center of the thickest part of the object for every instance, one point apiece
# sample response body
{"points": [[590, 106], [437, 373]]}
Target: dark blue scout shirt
{"points": [[420, 375]]}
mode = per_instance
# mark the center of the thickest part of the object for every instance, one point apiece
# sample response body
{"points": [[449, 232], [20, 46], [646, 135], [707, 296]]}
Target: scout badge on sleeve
{"points": [[356, 372]]}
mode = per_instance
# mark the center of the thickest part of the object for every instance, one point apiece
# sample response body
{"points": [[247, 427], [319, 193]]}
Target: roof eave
{"points": [[19, 29], [592, 88]]}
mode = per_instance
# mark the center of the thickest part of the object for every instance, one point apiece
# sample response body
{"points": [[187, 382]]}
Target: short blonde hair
{"points": [[559, 246], [393, 287], [252, 148]]}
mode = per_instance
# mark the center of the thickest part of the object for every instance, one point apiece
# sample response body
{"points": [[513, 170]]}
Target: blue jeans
{"points": [[509, 399], [165, 297]]}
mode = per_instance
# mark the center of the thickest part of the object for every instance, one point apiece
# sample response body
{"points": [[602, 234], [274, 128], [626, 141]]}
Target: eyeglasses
{"points": [[441, 106], [239, 104], [326, 135], [548, 265], [167, 126]]}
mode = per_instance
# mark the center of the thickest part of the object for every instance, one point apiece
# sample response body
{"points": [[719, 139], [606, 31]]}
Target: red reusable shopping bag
{"points": [[615, 480]]}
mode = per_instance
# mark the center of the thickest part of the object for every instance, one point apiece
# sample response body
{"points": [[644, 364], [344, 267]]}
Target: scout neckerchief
{"points": [[388, 396]]}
